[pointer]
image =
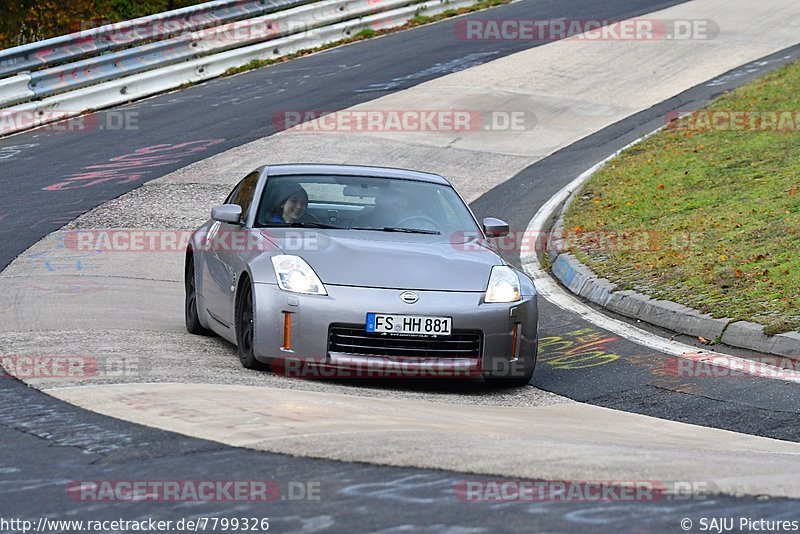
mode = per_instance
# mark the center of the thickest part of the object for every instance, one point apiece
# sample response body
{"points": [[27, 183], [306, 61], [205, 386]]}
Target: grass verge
{"points": [[707, 212]]}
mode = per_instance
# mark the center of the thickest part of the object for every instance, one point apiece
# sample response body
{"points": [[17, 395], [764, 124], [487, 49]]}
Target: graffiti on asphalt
{"points": [[132, 167], [55, 259], [8, 152], [577, 349]]}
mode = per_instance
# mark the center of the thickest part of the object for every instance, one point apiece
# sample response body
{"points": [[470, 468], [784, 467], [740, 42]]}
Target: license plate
{"points": [[409, 324]]}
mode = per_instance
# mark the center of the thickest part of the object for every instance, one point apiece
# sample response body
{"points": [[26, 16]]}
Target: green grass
{"points": [[368, 33], [708, 218]]}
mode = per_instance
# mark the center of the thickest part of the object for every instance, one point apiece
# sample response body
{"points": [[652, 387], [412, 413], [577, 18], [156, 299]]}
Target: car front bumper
{"points": [[509, 331]]}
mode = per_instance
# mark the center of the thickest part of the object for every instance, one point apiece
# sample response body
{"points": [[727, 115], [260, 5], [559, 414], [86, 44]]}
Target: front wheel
{"points": [[193, 324], [244, 329], [515, 376]]}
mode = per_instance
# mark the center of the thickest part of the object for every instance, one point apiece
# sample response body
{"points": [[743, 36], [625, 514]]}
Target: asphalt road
{"points": [[48, 445], [56, 442]]}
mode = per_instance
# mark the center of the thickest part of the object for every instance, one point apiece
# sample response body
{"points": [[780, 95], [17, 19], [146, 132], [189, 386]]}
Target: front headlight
{"points": [[503, 285], [297, 276]]}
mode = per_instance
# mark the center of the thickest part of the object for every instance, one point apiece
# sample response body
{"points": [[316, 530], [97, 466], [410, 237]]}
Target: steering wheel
{"points": [[311, 216], [424, 218]]}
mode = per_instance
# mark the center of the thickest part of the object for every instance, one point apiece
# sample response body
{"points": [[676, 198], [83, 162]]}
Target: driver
{"points": [[291, 206]]}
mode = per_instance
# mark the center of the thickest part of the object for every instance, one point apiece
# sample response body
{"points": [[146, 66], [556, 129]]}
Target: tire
{"points": [[244, 329], [513, 381], [192, 319]]}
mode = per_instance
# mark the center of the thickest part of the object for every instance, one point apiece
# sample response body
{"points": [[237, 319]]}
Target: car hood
{"points": [[390, 260]]}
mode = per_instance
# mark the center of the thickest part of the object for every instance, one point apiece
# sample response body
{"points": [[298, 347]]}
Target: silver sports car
{"points": [[365, 271]]}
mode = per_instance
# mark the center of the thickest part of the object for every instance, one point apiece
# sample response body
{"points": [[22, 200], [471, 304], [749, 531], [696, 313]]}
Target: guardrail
{"points": [[95, 41], [224, 34]]}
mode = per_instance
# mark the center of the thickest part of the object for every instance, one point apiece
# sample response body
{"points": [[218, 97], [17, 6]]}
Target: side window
{"points": [[242, 194], [232, 195]]}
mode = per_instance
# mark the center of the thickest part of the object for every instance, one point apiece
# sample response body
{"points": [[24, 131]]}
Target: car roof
{"points": [[354, 170]]}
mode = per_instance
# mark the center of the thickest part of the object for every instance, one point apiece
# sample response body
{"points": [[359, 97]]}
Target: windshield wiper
{"points": [[397, 229], [303, 225], [312, 224]]}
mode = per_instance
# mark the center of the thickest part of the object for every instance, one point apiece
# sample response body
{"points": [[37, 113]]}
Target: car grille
{"points": [[356, 340]]}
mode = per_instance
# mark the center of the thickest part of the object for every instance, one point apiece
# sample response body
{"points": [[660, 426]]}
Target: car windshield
{"points": [[364, 204]]}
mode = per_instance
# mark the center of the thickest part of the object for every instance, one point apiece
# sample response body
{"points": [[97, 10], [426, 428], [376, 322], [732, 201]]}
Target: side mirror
{"points": [[495, 227], [227, 213]]}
